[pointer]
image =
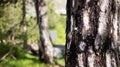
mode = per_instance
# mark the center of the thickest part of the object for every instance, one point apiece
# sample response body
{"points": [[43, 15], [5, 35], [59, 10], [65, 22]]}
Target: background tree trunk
{"points": [[92, 33], [24, 24], [46, 48]]}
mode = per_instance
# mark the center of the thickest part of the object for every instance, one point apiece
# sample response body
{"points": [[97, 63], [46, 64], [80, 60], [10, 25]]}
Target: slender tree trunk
{"points": [[46, 48], [92, 33], [24, 24]]}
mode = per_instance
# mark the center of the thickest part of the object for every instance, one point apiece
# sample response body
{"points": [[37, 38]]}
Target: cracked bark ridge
{"points": [[92, 30]]}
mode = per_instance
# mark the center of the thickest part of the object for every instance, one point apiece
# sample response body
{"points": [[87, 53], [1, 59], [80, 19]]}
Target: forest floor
{"points": [[30, 61]]}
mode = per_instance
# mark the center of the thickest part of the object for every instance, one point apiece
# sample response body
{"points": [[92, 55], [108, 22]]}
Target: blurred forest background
{"points": [[13, 33]]}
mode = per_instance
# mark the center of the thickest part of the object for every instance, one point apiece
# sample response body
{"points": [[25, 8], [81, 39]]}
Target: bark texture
{"points": [[46, 48], [92, 32]]}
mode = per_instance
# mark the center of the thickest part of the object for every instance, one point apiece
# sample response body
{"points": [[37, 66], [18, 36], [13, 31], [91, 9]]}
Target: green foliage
{"points": [[18, 52], [4, 49], [32, 30], [56, 22], [10, 17], [11, 32], [52, 16], [60, 28], [15, 50]]}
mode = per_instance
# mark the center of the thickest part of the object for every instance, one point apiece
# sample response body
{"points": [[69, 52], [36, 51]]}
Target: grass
{"points": [[28, 61], [60, 61]]}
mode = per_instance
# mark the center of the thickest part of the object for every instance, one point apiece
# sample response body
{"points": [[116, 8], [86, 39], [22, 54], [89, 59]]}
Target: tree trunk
{"points": [[92, 33], [24, 24], [46, 48]]}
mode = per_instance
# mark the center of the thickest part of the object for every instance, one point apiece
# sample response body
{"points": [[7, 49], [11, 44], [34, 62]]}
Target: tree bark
{"points": [[46, 48], [92, 30]]}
